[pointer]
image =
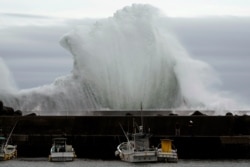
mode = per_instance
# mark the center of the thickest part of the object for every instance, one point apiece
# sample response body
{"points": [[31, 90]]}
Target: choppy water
{"points": [[42, 162]]}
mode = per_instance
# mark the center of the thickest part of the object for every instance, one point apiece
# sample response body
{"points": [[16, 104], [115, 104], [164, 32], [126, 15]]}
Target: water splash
{"points": [[121, 62], [7, 84]]}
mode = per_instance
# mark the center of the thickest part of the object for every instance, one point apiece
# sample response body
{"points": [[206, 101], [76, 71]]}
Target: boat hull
{"points": [[62, 157], [144, 156], [167, 157], [8, 153]]}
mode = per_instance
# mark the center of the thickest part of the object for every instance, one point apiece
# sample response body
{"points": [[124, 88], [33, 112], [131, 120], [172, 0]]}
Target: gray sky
{"points": [[215, 32], [224, 44], [97, 8]]}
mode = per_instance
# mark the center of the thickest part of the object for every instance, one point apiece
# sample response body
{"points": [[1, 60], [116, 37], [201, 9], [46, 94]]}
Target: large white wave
{"points": [[121, 62], [7, 84]]}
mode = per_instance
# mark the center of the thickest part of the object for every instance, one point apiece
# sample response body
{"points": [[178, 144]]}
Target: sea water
{"points": [[43, 162]]}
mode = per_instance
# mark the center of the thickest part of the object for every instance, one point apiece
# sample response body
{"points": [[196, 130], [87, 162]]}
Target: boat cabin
{"points": [[59, 145], [141, 140]]}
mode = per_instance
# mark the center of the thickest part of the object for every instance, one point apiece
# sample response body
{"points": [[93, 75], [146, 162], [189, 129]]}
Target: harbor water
{"points": [[43, 162]]}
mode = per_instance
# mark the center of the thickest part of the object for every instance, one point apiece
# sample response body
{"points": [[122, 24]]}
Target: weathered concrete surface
{"points": [[98, 136]]}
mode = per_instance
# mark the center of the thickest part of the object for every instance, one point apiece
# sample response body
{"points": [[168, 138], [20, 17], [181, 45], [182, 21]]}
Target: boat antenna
{"points": [[141, 117], [7, 141]]}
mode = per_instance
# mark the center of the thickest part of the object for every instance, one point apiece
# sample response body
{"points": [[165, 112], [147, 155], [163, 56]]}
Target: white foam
{"points": [[123, 61]]}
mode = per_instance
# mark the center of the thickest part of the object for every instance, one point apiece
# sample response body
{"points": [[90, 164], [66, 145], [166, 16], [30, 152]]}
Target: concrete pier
{"points": [[98, 136]]}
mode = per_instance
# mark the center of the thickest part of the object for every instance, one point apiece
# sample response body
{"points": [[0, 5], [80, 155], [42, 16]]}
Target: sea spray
{"points": [[122, 62], [7, 84]]}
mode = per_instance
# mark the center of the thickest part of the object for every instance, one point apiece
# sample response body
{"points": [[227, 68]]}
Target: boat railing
{"points": [[125, 146]]}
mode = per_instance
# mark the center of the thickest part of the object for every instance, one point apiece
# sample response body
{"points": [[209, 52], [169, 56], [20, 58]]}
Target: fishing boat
{"points": [[7, 151], [167, 152], [61, 151], [138, 149]]}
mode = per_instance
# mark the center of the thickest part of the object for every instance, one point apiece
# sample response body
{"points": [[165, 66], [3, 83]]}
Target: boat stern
{"points": [[166, 153], [62, 157]]}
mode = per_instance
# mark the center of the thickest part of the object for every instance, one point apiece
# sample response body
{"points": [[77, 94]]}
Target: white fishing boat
{"points": [[138, 149], [7, 151], [61, 151]]}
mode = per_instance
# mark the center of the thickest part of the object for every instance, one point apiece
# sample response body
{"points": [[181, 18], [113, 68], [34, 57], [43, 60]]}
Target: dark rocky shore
{"points": [[8, 111]]}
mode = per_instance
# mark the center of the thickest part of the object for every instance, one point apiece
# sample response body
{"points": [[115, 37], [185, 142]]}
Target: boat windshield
{"points": [[60, 141], [59, 145]]}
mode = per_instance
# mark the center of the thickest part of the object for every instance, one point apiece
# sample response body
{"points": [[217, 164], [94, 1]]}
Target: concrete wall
{"points": [[34, 134]]}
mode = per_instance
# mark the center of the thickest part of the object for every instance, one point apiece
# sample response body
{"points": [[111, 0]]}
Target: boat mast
{"points": [[7, 141], [141, 118]]}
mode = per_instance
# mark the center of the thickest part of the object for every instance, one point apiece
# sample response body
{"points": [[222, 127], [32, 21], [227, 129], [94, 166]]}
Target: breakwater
{"points": [[97, 136]]}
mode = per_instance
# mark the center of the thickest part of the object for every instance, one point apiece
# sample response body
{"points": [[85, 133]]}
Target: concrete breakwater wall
{"points": [[98, 136]]}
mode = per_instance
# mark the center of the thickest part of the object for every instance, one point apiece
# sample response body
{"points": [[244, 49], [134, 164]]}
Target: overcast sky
{"points": [[217, 32]]}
